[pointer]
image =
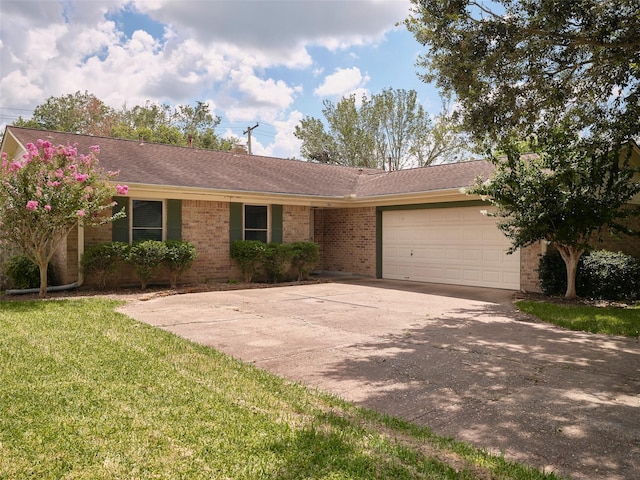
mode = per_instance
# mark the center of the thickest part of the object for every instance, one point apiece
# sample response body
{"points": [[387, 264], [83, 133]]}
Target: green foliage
{"points": [[103, 259], [23, 273], [153, 122], [516, 66], [178, 259], [389, 127], [47, 192], [601, 274], [564, 194], [77, 113], [249, 254], [552, 273], [306, 256], [277, 261], [146, 258], [609, 275]]}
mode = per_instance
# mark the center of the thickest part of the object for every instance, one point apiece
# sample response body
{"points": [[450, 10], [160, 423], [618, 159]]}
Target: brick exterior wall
{"points": [[623, 243], [529, 259], [296, 222], [206, 225], [347, 239]]}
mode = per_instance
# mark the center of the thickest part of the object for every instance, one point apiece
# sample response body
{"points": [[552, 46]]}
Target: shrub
{"points": [[146, 257], [552, 273], [601, 274], [249, 254], [277, 261], [609, 275], [23, 273], [306, 256], [103, 259], [178, 259]]}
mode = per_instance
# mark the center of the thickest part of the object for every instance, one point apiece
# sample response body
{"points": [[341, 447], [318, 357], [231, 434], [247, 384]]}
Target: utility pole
{"points": [[248, 131]]}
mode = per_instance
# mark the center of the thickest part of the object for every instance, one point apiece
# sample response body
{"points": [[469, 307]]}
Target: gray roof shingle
{"points": [[168, 165]]}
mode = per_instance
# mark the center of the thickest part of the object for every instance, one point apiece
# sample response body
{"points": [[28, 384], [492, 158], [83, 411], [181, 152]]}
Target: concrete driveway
{"points": [[460, 360]]}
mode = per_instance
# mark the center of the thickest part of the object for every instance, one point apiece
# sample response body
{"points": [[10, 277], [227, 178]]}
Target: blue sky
{"points": [[266, 61]]}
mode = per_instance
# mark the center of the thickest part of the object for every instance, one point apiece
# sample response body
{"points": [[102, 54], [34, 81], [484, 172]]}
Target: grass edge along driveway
{"points": [[88, 393]]}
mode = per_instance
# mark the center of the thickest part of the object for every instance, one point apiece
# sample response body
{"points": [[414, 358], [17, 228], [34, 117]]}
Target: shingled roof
{"points": [[168, 165]]}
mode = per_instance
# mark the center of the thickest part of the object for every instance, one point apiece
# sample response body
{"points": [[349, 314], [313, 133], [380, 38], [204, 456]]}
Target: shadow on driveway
{"points": [[457, 359]]}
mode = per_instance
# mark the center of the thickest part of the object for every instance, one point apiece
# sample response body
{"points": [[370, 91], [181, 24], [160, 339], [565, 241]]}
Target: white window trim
{"points": [[268, 219], [164, 216]]}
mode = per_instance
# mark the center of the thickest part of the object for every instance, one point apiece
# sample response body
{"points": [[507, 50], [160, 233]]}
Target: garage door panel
{"points": [[449, 245]]}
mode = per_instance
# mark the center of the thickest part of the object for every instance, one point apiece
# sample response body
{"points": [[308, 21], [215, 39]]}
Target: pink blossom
{"points": [[80, 177], [32, 205], [53, 184], [95, 149], [81, 213], [59, 173], [47, 208], [122, 189], [15, 166]]}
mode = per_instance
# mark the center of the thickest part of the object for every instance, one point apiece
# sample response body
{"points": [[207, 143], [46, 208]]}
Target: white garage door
{"points": [[457, 246]]}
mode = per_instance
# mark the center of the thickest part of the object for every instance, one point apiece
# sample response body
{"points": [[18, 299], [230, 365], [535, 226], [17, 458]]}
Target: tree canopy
{"points": [[389, 128], [520, 65], [85, 113]]}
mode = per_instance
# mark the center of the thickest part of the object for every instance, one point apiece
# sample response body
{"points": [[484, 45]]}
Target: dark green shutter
{"points": [[235, 222], [120, 227], [276, 223], [174, 219]]}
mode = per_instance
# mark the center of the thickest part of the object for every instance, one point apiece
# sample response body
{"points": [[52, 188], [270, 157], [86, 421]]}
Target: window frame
{"points": [[163, 229], [268, 220]]}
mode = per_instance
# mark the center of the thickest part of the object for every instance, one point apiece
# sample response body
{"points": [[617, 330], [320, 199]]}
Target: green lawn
{"points": [[88, 393], [608, 320]]}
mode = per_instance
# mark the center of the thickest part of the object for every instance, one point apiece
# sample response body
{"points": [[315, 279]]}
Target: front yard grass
{"points": [[88, 393], [609, 320]]}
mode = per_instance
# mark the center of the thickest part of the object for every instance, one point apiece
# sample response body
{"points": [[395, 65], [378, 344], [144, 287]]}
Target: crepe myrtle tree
{"points": [[46, 193], [568, 192]]}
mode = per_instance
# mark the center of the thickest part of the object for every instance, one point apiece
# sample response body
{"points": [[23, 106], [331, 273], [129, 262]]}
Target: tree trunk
{"points": [[43, 279], [571, 256]]}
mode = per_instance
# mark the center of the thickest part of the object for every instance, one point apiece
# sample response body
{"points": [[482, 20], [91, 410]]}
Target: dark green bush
{"points": [[306, 256], [249, 254], [103, 259], [552, 273], [601, 274], [178, 259], [23, 273], [146, 258], [609, 275], [277, 261]]}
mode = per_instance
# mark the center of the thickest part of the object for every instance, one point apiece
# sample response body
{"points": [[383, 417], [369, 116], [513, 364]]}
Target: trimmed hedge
{"points": [[147, 258], [276, 261], [601, 274]]}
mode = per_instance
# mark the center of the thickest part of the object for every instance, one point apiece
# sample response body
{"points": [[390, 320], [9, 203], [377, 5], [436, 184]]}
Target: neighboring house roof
{"points": [[167, 165]]}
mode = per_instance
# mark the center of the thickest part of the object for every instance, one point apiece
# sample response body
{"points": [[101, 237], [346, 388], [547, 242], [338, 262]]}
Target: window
{"points": [[146, 223], [255, 223]]}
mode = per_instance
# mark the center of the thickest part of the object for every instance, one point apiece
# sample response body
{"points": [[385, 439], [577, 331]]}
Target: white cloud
{"points": [[343, 82], [280, 26]]}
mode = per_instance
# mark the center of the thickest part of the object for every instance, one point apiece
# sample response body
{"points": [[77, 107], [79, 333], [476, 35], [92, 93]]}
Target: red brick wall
{"points": [[529, 260], [296, 223], [206, 225], [347, 239]]}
